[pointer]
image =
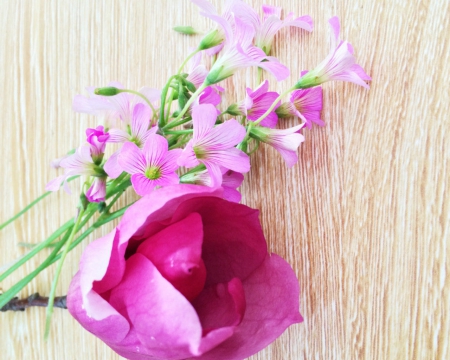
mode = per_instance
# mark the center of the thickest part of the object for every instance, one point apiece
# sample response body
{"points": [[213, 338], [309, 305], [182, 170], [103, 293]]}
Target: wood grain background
{"points": [[363, 218]]}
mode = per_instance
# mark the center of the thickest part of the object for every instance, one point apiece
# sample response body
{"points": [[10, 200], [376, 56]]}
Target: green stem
{"points": [[173, 124], [190, 101], [30, 205], [178, 132], [269, 110], [186, 60], [51, 297], [259, 76], [140, 95], [36, 249], [162, 120]]}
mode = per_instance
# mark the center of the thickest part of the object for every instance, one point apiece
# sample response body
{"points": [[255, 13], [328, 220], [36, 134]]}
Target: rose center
{"points": [[153, 173]]}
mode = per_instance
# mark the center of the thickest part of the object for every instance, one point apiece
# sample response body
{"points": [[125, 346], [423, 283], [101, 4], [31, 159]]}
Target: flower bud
{"points": [[211, 39], [187, 30], [107, 91]]}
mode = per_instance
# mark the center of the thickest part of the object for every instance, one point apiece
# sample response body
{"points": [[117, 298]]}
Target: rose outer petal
{"points": [[232, 232], [272, 296], [164, 320]]}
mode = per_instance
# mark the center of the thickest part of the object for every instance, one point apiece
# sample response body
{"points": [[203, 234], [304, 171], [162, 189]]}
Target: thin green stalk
{"points": [[173, 124], [10, 293], [162, 120], [36, 249], [140, 95], [178, 132], [51, 297], [30, 205], [190, 101], [186, 60]]}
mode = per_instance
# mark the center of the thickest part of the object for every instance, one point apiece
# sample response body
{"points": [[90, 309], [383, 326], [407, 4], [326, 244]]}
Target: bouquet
{"points": [[186, 273]]}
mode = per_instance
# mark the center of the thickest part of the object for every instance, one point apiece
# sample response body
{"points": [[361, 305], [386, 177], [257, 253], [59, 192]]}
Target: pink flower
{"points": [[271, 23], [81, 163], [197, 71], [214, 146], [97, 139], [153, 166], [239, 52], [139, 131], [257, 102], [286, 142], [340, 64], [185, 274], [113, 107], [231, 180]]}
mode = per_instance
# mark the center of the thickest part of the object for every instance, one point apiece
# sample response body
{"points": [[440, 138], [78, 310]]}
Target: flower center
{"points": [[199, 152], [153, 173]]}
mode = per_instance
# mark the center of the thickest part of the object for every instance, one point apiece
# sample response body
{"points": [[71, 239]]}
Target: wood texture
{"points": [[363, 218]]}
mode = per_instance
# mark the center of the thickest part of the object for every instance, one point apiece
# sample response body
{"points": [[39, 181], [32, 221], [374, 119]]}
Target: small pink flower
{"points": [[214, 146], [197, 71], [152, 166], [286, 142], [97, 139], [139, 131], [271, 23], [340, 64], [239, 52], [231, 180], [307, 105], [113, 107], [81, 163], [257, 102], [210, 95]]}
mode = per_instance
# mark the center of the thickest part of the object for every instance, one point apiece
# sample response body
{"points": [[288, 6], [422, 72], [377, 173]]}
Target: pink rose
{"points": [[186, 274]]}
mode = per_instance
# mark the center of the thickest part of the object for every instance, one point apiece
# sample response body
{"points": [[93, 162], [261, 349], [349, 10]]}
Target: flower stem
{"points": [[269, 110], [190, 101], [140, 95], [186, 60], [178, 132], [51, 297], [30, 205], [33, 300], [162, 120]]}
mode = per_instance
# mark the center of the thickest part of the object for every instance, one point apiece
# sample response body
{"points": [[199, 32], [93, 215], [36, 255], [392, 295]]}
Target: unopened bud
{"points": [[107, 91], [211, 39], [186, 30]]}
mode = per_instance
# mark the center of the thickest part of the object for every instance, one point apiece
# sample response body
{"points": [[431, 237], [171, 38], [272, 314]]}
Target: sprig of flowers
{"points": [[201, 140]]}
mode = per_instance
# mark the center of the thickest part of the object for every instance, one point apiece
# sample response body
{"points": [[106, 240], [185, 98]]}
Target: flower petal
{"points": [[131, 159]]}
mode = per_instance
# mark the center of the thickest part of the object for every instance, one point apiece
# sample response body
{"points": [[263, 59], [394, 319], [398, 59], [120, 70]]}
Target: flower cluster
{"points": [[187, 273]]}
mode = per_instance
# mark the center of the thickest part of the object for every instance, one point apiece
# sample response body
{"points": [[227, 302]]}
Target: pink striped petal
{"points": [[131, 159], [155, 149], [112, 168], [203, 117], [223, 136], [140, 121]]}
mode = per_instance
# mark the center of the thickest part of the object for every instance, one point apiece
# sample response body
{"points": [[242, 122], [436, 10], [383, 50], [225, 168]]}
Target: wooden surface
{"points": [[363, 218]]}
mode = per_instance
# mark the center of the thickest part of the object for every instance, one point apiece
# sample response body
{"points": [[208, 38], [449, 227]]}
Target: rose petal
{"points": [[224, 226], [272, 296], [176, 252]]}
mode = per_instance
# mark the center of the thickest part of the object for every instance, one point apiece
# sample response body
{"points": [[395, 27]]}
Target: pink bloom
{"points": [[214, 146], [231, 180], [286, 142], [185, 274], [80, 163], [97, 139], [97, 191], [340, 64], [271, 23], [239, 52], [257, 102], [197, 71], [113, 107], [151, 167], [139, 131], [306, 104], [209, 96]]}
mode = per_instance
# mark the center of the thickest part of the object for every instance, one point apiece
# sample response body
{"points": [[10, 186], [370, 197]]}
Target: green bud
{"points": [[190, 86], [84, 201], [308, 80], [182, 98], [211, 39], [233, 110], [107, 91], [283, 111], [186, 30], [101, 206]]}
